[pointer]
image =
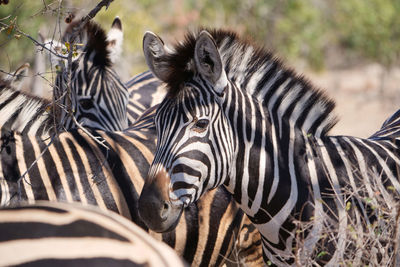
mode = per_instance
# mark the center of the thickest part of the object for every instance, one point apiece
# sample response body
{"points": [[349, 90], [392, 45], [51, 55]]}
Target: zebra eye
{"points": [[200, 125], [86, 104]]}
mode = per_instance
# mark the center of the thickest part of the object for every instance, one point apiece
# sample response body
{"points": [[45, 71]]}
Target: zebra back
{"points": [[390, 128], [23, 112], [145, 91], [54, 234]]}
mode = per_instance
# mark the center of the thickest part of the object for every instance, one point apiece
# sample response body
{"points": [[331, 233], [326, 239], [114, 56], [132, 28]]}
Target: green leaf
{"points": [[390, 187], [348, 205], [68, 46], [321, 254]]}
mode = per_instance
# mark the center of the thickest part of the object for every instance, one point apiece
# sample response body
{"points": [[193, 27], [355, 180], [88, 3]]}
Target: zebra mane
{"points": [[94, 38], [259, 61], [97, 41]]}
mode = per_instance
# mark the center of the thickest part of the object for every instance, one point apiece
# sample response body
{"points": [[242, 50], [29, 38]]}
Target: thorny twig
{"points": [[51, 68], [96, 139]]}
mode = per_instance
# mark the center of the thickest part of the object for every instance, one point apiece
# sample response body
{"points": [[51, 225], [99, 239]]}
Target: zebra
{"points": [[72, 167], [54, 234], [99, 98], [235, 116], [144, 90]]}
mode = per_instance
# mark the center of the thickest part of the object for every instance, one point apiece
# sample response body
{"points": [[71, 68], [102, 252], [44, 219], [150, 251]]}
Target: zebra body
{"points": [[73, 168], [235, 116], [54, 234]]}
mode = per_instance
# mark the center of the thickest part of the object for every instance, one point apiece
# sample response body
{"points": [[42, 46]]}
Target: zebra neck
{"points": [[268, 170]]}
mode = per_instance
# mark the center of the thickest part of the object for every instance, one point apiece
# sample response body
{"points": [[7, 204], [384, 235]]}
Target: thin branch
{"points": [[88, 17], [37, 43], [96, 139]]}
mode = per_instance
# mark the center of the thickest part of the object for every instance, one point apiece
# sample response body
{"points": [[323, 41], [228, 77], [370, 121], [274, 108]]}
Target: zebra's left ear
{"points": [[57, 48], [115, 39], [209, 63]]}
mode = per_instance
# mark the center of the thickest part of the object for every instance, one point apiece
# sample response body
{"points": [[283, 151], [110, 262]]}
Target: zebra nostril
{"points": [[165, 211]]}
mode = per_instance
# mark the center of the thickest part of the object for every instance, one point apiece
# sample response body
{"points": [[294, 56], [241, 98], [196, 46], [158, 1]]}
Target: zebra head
{"points": [[98, 97], [191, 127]]}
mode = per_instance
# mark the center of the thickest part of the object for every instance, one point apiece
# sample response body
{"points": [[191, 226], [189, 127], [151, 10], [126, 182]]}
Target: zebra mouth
{"points": [[172, 221], [160, 220]]}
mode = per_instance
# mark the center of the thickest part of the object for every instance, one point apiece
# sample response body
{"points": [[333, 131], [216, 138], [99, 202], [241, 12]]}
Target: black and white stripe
{"points": [[74, 168], [235, 116], [59, 234], [22, 112]]}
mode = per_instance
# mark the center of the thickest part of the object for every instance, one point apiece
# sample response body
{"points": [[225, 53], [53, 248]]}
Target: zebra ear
{"points": [[154, 52], [208, 61], [57, 48], [115, 39], [18, 77]]}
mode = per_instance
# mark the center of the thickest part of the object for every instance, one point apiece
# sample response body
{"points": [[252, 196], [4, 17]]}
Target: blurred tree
{"points": [[28, 16], [297, 30], [370, 28]]}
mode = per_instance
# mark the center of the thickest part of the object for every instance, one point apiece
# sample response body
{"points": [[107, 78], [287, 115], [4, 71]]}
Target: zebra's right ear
{"points": [[154, 52]]}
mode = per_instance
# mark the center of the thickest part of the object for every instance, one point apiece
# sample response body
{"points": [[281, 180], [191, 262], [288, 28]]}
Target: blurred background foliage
{"points": [[313, 34]]}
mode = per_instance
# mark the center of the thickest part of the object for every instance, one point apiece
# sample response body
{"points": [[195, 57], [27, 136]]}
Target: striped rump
{"points": [[60, 234]]}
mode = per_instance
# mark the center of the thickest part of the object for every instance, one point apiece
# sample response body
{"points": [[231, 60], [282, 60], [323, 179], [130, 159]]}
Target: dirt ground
{"points": [[361, 105]]}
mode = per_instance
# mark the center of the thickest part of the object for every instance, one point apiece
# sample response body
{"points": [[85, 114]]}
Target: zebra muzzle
{"points": [[156, 209]]}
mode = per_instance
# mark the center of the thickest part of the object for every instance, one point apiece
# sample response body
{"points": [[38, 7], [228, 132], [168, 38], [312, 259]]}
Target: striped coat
{"points": [[55, 234]]}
